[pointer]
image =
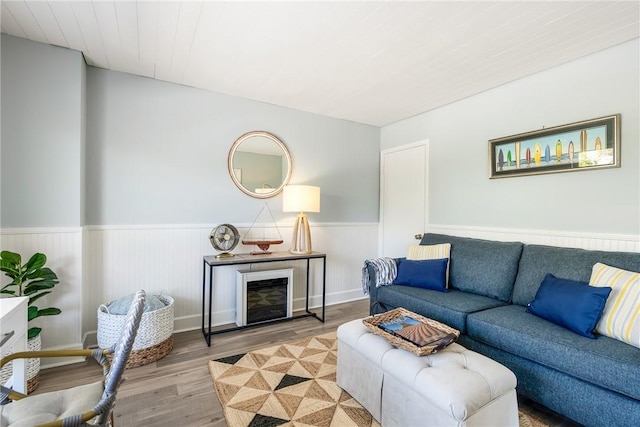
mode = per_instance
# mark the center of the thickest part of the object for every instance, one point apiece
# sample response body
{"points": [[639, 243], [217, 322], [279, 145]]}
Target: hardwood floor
{"points": [[178, 390]]}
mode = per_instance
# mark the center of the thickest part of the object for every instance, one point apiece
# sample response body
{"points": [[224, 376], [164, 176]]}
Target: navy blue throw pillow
{"points": [[427, 274], [570, 304]]}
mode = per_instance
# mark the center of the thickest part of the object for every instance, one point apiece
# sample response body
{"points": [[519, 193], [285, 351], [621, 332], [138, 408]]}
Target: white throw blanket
{"points": [[386, 271]]}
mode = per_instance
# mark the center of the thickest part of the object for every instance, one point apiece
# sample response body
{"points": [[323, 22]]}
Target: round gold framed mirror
{"points": [[259, 164]]}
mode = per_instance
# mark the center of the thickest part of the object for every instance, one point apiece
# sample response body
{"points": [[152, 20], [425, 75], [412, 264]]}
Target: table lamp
{"points": [[301, 199]]}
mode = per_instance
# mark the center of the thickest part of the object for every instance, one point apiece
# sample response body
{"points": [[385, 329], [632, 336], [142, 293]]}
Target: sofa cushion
{"points": [[621, 318], [428, 273], [604, 361], [450, 308], [421, 252], [570, 304], [479, 266], [568, 263]]}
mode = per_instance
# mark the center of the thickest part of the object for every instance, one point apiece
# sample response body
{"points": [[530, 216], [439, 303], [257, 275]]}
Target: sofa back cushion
{"points": [[482, 267], [566, 263]]}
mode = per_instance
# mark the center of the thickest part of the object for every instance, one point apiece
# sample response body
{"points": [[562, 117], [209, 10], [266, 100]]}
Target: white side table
{"points": [[13, 333]]}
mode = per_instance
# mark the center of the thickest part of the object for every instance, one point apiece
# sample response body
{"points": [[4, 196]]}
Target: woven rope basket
{"points": [[33, 366], [372, 323], [154, 339]]}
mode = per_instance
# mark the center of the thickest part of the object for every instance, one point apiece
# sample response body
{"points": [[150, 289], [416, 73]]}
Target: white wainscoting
{"points": [[583, 240], [63, 247], [119, 260], [98, 264]]}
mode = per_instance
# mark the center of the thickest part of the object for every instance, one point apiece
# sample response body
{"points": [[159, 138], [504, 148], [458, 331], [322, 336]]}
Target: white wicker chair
{"points": [[75, 406]]}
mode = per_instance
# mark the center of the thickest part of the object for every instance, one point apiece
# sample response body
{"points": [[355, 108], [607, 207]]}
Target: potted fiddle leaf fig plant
{"points": [[32, 280]]}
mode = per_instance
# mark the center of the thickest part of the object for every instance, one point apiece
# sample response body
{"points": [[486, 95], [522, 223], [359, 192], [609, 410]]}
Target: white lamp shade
{"points": [[301, 198]]}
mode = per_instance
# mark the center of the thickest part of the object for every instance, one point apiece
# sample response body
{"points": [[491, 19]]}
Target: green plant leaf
{"points": [[9, 269], [51, 311], [7, 291], [38, 285], [11, 257], [36, 261], [8, 285], [36, 297], [16, 282], [33, 332], [42, 273], [32, 313]]}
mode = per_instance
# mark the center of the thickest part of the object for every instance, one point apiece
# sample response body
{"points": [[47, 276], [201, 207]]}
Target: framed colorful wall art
{"points": [[586, 145]]}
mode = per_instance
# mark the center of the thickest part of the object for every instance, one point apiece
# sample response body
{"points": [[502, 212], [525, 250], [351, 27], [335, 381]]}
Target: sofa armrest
{"points": [[373, 289]]}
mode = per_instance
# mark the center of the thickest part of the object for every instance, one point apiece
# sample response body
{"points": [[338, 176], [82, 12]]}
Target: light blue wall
{"points": [[42, 135], [157, 154], [82, 145], [596, 201]]}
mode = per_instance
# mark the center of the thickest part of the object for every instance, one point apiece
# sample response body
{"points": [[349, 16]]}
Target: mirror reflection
{"points": [[259, 164]]}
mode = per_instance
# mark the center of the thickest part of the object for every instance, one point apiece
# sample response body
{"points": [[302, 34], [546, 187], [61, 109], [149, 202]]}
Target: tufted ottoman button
{"points": [[455, 386]]}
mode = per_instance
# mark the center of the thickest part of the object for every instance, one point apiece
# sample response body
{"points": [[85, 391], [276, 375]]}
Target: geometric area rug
{"points": [[287, 384], [291, 384]]}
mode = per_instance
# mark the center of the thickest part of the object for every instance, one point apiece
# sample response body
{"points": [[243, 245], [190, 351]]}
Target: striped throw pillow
{"points": [[422, 252], [621, 317]]}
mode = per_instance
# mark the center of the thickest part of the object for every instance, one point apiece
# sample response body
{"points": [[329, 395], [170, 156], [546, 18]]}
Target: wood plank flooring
{"points": [[178, 390]]}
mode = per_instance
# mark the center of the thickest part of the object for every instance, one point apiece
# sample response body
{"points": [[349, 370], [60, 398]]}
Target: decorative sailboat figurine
{"points": [[262, 242]]}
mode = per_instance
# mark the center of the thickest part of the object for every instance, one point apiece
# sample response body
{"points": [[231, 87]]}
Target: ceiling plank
{"points": [[9, 23], [86, 19], [202, 63], [47, 22], [370, 62], [185, 31], [127, 16], [68, 23], [147, 34], [21, 12], [168, 14], [107, 22]]}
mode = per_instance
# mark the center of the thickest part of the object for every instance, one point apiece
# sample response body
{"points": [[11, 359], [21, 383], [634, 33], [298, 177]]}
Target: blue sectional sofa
{"points": [[595, 382]]}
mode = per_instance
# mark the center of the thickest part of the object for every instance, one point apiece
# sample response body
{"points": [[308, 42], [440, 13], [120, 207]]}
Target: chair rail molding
{"points": [[583, 240]]}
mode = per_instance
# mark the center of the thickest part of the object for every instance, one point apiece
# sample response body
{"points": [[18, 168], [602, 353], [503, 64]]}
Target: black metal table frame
{"points": [[243, 259]]}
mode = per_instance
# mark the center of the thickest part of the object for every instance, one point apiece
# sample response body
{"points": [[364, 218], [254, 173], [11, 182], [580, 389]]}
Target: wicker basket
{"points": [[154, 339], [372, 323], [32, 366]]}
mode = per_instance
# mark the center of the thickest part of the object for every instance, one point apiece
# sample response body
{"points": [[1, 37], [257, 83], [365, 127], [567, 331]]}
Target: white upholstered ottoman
{"points": [[454, 387]]}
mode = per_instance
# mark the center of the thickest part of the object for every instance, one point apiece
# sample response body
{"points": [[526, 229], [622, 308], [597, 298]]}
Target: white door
{"points": [[403, 197]]}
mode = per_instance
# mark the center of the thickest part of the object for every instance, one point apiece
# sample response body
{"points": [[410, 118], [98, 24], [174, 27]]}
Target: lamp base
{"points": [[301, 238], [291, 251]]}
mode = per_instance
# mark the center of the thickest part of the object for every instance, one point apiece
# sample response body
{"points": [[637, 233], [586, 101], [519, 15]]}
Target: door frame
{"points": [[383, 153]]}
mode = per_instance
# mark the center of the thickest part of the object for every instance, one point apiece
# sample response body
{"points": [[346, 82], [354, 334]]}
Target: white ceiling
{"points": [[365, 61]]}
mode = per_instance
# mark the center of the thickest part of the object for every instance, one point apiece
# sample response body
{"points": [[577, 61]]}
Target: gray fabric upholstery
{"points": [[566, 263], [450, 308], [602, 361], [47, 407], [478, 266]]}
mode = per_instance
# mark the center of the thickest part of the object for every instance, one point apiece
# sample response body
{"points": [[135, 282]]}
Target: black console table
{"points": [[210, 262]]}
